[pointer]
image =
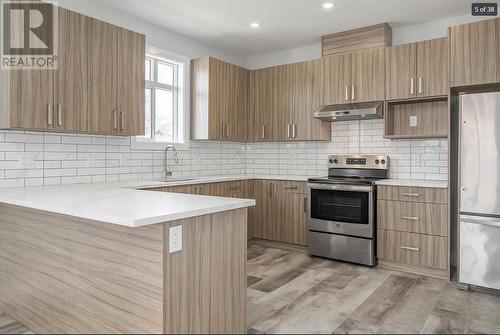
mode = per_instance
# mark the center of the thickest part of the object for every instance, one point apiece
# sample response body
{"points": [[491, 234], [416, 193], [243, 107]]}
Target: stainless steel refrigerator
{"points": [[479, 189]]}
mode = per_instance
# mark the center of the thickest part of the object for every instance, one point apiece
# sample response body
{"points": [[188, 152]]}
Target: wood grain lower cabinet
{"points": [[119, 279], [280, 213], [422, 218], [265, 219], [413, 249], [413, 194], [413, 229], [291, 214]]}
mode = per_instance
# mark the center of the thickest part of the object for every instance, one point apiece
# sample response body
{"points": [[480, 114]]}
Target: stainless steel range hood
{"points": [[348, 112]]}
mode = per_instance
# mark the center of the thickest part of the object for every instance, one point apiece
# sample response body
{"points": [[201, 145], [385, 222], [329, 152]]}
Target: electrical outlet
{"points": [[175, 239], [415, 160], [413, 121]]}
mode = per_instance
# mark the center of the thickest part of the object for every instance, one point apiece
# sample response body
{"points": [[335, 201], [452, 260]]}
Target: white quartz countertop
{"points": [[414, 183], [178, 181], [114, 203]]}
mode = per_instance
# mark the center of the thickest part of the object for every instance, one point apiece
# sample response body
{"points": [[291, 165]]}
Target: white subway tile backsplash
{"points": [[32, 158]]}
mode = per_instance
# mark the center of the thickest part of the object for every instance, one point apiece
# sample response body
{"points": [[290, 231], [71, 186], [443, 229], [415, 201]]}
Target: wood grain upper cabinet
{"points": [[282, 92], [368, 75], [474, 50], [263, 104], [99, 77], [306, 98], [116, 79], [102, 95], [432, 68], [131, 82], [71, 77], [238, 118], [417, 69], [219, 100], [354, 77], [27, 99], [401, 71], [336, 71]]}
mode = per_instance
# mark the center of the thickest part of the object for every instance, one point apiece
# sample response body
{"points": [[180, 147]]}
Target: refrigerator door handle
{"points": [[488, 221]]}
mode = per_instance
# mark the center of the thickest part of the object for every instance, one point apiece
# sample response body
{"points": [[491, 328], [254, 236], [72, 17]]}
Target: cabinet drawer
{"points": [[422, 218], [293, 186], [234, 189], [413, 249], [413, 194]]}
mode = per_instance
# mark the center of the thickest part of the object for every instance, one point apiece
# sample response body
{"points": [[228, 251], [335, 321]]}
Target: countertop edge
{"points": [[238, 204]]}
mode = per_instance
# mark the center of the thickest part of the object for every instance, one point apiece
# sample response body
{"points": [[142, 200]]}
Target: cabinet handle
{"points": [[412, 86], [263, 132], [411, 249], [59, 115], [353, 96], [115, 121], [50, 116], [227, 130], [346, 92], [291, 188], [222, 131], [288, 131], [270, 190], [305, 205], [234, 188], [412, 218], [293, 130], [122, 120], [410, 194], [419, 85]]}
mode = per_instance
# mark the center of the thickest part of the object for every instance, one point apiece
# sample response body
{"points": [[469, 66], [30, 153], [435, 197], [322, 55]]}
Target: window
{"points": [[164, 98]]}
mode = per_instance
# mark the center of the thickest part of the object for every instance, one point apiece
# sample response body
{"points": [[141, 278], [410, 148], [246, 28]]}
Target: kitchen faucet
{"points": [[166, 172]]}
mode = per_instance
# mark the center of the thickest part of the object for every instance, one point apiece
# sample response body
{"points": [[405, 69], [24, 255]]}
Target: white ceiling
{"points": [[285, 24]]}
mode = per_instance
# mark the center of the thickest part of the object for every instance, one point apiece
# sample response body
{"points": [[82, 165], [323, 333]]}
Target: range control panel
{"points": [[359, 162]]}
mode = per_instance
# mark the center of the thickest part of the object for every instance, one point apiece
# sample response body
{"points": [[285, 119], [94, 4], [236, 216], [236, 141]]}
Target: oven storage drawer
{"points": [[412, 249], [344, 248], [421, 218], [413, 194]]}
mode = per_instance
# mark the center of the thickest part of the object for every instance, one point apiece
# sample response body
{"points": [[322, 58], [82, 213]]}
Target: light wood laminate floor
{"points": [[291, 292]]}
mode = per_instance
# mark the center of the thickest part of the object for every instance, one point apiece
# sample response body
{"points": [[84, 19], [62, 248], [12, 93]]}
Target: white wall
{"points": [[307, 52], [155, 36], [401, 35]]}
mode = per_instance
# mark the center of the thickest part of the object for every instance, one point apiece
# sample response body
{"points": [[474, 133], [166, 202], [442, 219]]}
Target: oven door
{"points": [[342, 209]]}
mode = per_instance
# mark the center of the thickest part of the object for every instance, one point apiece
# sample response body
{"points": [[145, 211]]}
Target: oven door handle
{"points": [[340, 187]]}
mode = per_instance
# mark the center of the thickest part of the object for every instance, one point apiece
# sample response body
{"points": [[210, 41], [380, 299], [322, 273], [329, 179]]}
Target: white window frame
{"points": [[150, 144]]}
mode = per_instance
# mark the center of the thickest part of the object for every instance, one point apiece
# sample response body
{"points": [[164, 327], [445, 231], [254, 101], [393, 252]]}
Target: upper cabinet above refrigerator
{"points": [[475, 53]]}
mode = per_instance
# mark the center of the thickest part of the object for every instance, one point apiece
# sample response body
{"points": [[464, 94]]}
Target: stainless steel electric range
{"points": [[342, 208]]}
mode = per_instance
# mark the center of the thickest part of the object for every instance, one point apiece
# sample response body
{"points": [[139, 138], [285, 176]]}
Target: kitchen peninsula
{"points": [[96, 258]]}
